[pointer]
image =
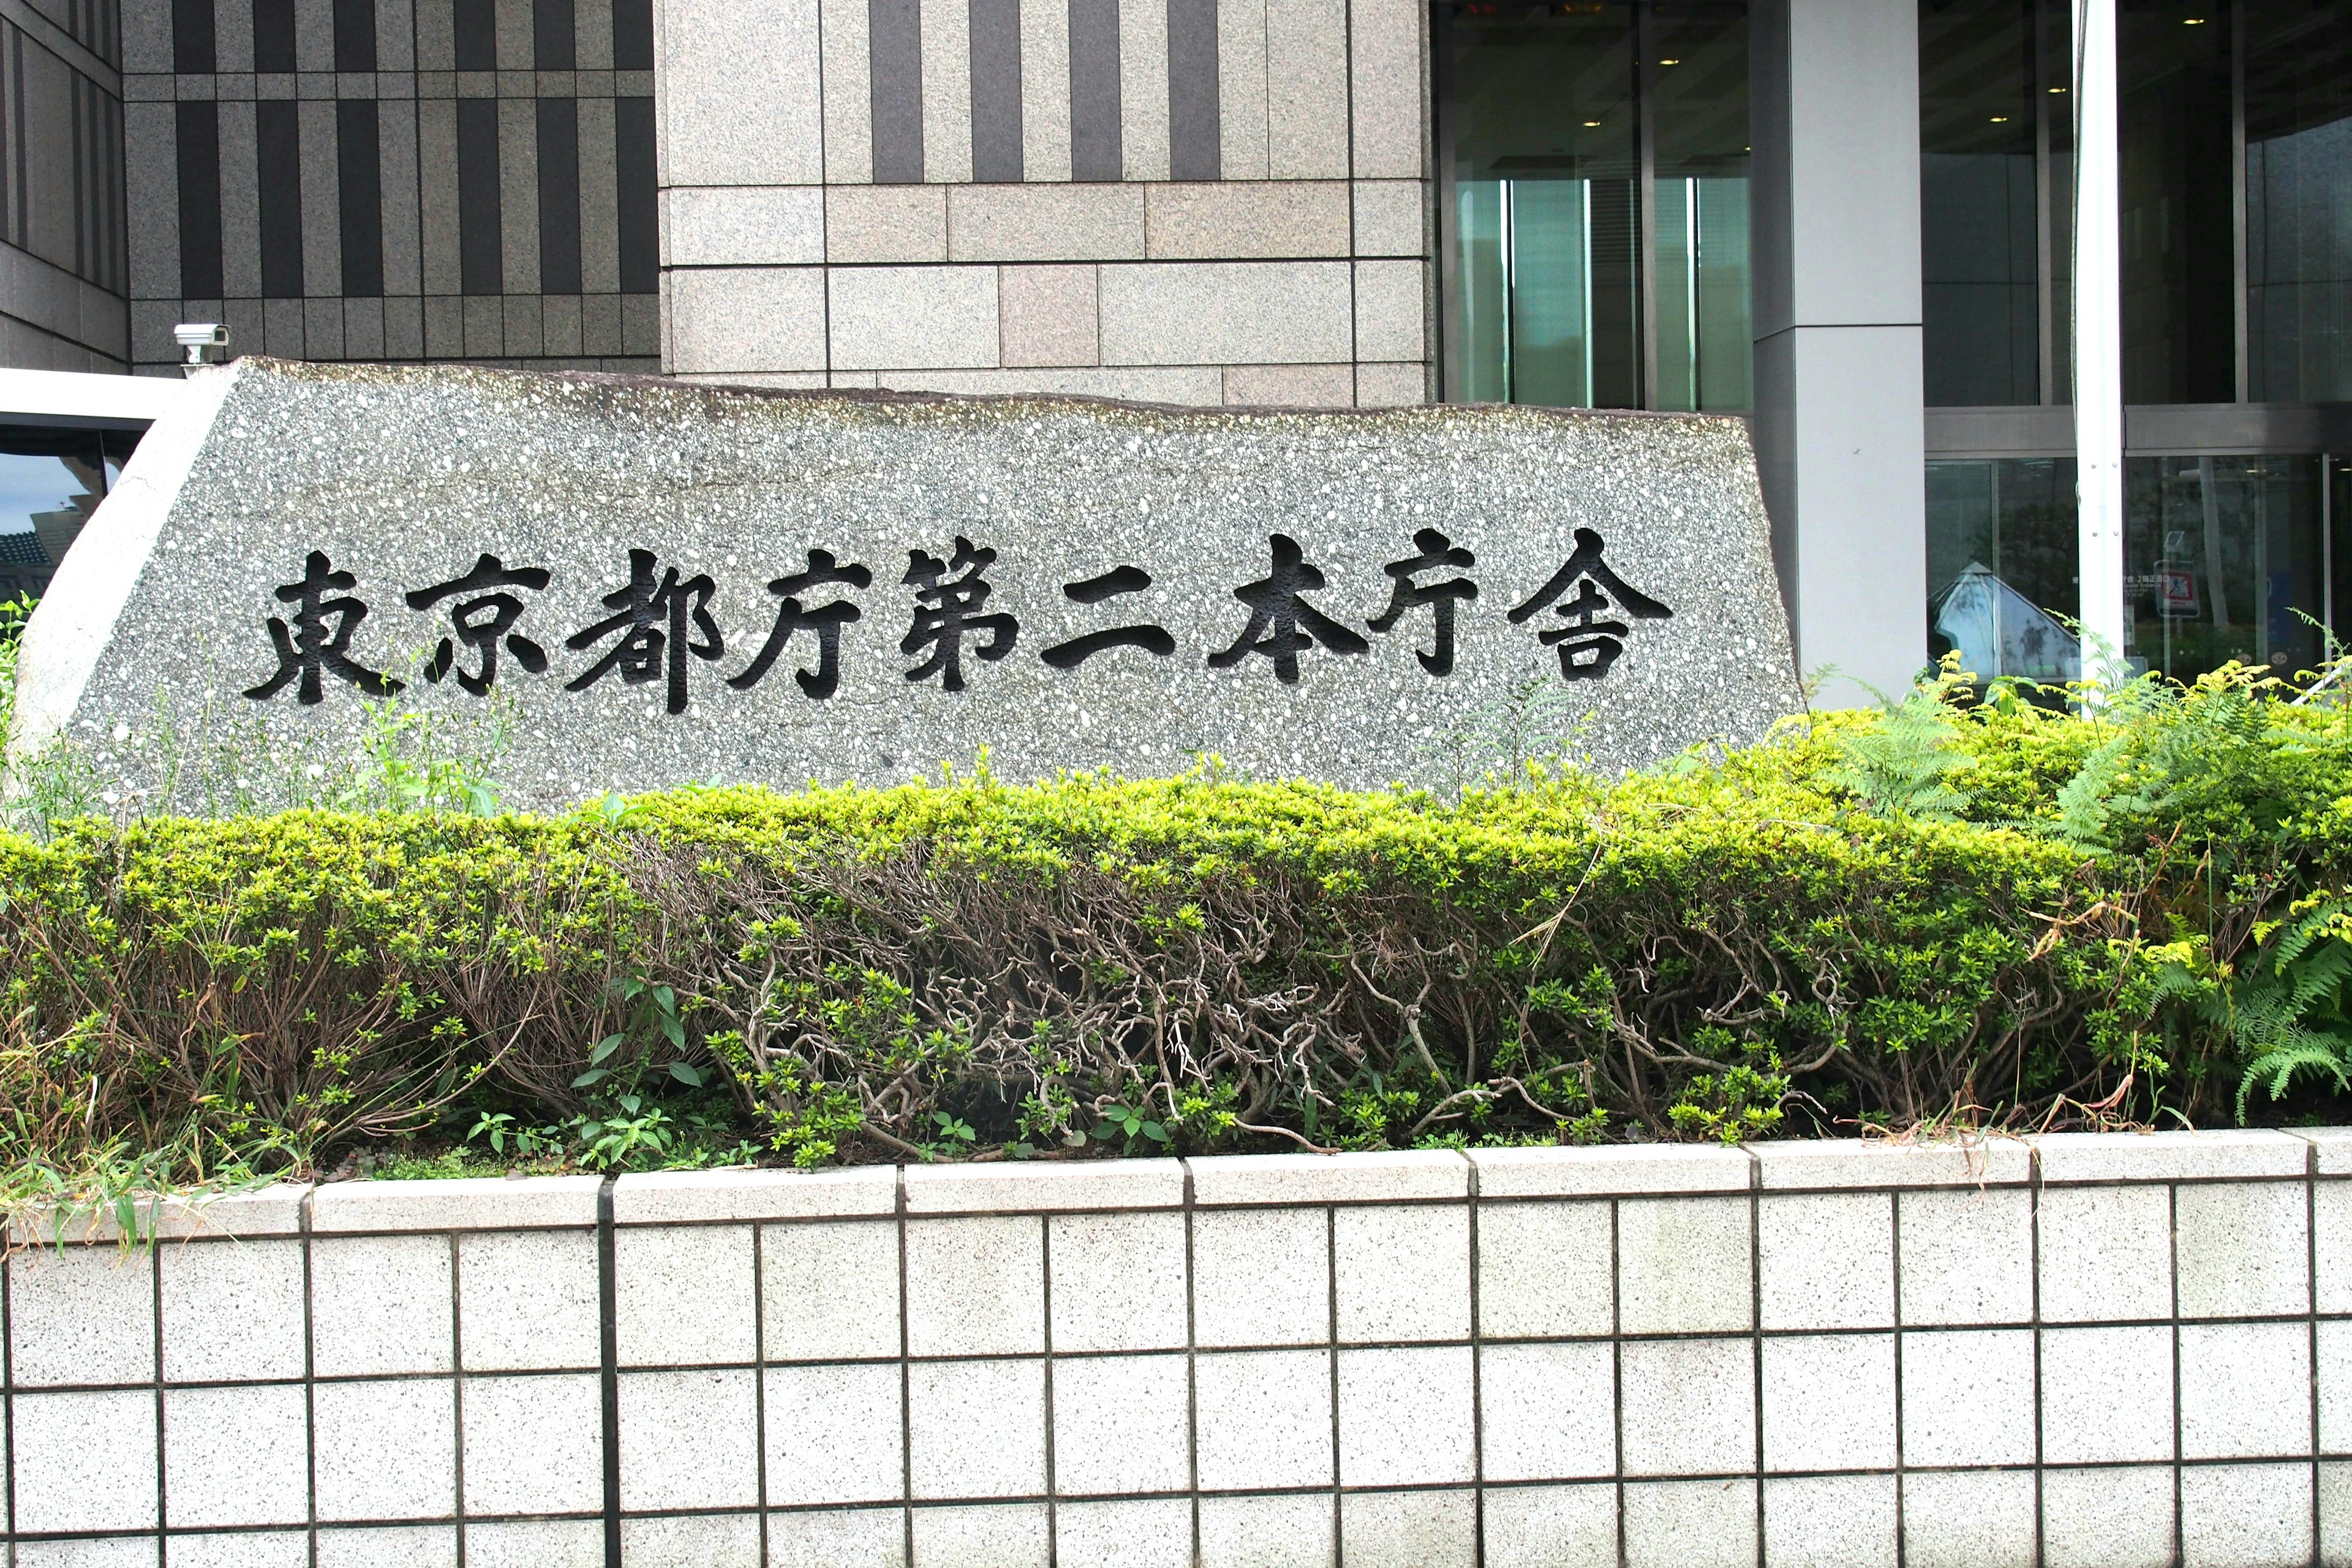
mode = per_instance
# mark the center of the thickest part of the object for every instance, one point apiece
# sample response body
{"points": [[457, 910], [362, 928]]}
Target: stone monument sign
{"points": [[657, 582]]}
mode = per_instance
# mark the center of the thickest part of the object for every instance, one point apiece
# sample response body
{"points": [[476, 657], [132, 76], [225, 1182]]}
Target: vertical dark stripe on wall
{"points": [[273, 35], [1095, 146], [558, 196], [555, 44], [996, 91], [1192, 152], [200, 206], [193, 51], [474, 31], [481, 266], [359, 177], [278, 152], [894, 51], [633, 182], [632, 35], [356, 34]]}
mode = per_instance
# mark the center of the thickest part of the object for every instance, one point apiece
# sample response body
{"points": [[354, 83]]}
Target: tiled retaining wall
{"points": [[2101, 1351]]}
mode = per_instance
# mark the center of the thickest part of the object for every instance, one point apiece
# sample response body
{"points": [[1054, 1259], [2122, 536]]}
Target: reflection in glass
{"points": [[50, 482], [2001, 551], [1978, 199], [1543, 118], [2298, 106], [2179, 223], [2222, 561]]}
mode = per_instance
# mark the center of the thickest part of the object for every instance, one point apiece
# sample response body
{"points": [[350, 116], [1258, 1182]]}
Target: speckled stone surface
{"points": [[404, 476]]}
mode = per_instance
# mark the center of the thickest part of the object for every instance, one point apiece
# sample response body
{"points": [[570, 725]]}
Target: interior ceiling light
{"points": [[1590, 123], [2000, 119], [1670, 62], [2057, 89]]}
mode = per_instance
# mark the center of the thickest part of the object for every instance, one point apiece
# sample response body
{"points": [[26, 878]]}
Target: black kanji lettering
{"points": [[944, 607], [482, 620], [652, 621], [1282, 625], [1094, 591], [1584, 632], [1436, 551], [825, 621], [309, 650]]}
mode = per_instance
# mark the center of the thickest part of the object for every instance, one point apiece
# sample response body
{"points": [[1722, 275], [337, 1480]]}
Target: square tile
{"points": [[534, 1445], [1829, 1404], [116, 1553], [430, 1546], [710, 1541], [2107, 1254], [830, 1291], [1690, 1524], [684, 1295], [2116, 1518], [1683, 1266], [688, 1440], [1119, 1281], [386, 1450], [1139, 1533], [1826, 1260], [1396, 1176], [976, 1286], [2245, 1516], [262, 1475], [836, 1538], [1402, 1273], [1968, 1519], [1405, 1417], [536, 1544], [257, 1285], [1968, 1397], [1830, 1521], [2243, 1248], [1408, 1530], [810, 1410], [381, 1305], [1261, 1277], [1121, 1425], [951, 1403], [1550, 1411], [2334, 1383], [1001, 1535], [82, 1315], [1552, 1527], [246, 1549], [2335, 1515], [84, 1461], [1543, 1269], [2106, 1394], [1689, 1406], [2331, 1216], [527, 1299], [1265, 1419], [1268, 1531], [1968, 1257], [2246, 1391]]}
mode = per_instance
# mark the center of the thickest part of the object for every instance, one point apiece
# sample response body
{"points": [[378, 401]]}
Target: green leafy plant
{"points": [[1902, 767]]}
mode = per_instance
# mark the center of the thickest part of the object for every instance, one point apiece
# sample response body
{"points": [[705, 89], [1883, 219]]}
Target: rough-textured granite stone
{"points": [[404, 477]]}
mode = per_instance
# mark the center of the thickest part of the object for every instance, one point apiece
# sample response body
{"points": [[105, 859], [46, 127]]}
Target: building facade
{"points": [[1852, 221]]}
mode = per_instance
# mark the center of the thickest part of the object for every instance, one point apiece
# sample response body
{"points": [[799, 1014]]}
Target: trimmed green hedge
{"points": [[1989, 915]]}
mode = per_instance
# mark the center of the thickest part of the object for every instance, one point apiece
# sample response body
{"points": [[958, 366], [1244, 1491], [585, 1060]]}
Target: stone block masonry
{"points": [[2085, 1351]]}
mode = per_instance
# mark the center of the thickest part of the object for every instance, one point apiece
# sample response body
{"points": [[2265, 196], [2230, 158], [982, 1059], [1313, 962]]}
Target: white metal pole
{"points": [[2098, 335]]}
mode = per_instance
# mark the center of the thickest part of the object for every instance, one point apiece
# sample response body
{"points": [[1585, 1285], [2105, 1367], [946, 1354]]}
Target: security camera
{"points": [[203, 342]]}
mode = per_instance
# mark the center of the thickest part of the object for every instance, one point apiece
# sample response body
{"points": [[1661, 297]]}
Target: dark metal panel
{"points": [[2190, 429], [481, 265], [359, 180], [559, 195], [634, 178], [278, 153], [198, 131]]}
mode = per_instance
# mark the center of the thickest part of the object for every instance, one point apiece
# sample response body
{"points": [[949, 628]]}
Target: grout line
{"points": [[759, 1378], [310, 1381], [608, 1333], [1756, 1326], [1478, 1371], [1894, 1268], [155, 1324], [1191, 1368], [457, 1390], [7, 1399], [1046, 1269], [1617, 1370], [1331, 1361], [2172, 1209], [2311, 1283], [2033, 1220], [906, 1385]]}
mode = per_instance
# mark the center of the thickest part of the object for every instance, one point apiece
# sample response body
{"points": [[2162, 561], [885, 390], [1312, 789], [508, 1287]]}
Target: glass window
{"points": [[2001, 554], [1979, 200], [2298, 107], [1542, 115], [2180, 202], [2222, 560], [50, 482]]}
